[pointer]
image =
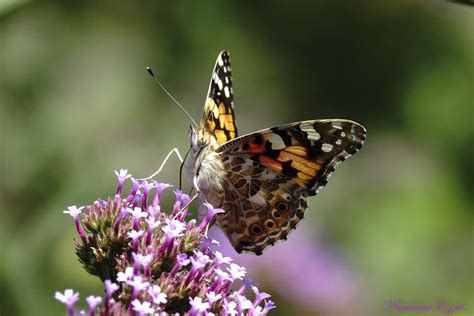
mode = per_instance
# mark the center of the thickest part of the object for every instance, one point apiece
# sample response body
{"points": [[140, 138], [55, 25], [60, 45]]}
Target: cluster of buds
{"points": [[155, 263]]}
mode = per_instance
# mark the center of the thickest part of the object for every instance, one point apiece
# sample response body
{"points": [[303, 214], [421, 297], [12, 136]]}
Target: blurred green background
{"points": [[394, 223]]}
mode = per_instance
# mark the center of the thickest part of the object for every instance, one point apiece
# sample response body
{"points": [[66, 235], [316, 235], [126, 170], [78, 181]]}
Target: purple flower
{"points": [[110, 288], [152, 271], [137, 214], [160, 187], [152, 224], [212, 297], [178, 203], [211, 211], [135, 235], [236, 272], [244, 303], [198, 306], [125, 276], [220, 279], [230, 308], [146, 190], [74, 212], [93, 301], [138, 285], [134, 190], [142, 308], [69, 298], [141, 260], [182, 261], [173, 228], [122, 175], [259, 296], [157, 296]]}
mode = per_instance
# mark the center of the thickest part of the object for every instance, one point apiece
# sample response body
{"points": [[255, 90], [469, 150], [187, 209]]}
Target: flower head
{"points": [[154, 262]]}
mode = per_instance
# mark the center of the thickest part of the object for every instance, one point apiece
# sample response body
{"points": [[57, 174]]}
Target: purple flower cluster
{"points": [[156, 263]]}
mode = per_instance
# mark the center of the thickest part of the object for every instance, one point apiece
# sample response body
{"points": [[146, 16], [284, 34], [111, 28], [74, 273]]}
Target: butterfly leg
{"points": [[174, 150]]}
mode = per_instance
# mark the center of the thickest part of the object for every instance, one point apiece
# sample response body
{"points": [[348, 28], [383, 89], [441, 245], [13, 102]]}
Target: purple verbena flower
{"points": [[160, 262], [211, 211], [142, 308], [125, 276], [137, 285], [133, 192], [69, 298], [137, 215], [135, 235], [157, 296], [74, 211], [141, 260], [160, 187], [122, 175], [198, 306], [236, 272], [93, 301], [230, 308], [146, 190], [110, 288]]}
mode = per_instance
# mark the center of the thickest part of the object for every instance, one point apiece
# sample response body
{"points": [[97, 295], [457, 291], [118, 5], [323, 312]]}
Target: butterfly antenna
{"points": [[148, 69]]}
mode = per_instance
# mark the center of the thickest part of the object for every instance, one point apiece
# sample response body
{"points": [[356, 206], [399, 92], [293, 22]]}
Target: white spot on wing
{"points": [[277, 142], [226, 92], [312, 134], [338, 142], [220, 61], [326, 147]]}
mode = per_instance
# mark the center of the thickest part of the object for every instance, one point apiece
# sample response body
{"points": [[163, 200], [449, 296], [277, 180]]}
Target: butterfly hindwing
{"points": [[218, 119], [262, 205]]}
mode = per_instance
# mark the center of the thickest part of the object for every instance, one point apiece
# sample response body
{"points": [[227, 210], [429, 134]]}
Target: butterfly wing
{"points": [[271, 173], [218, 118]]}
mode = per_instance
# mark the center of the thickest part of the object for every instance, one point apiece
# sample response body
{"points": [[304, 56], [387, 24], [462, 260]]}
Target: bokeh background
{"points": [[395, 221]]}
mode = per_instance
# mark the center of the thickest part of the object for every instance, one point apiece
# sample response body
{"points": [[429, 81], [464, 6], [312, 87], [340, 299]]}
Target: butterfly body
{"points": [[262, 180]]}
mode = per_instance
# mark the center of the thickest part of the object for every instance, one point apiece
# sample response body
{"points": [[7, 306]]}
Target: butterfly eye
{"points": [[202, 141]]}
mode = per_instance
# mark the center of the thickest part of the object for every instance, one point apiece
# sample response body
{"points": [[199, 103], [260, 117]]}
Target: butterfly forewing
{"points": [[218, 118]]}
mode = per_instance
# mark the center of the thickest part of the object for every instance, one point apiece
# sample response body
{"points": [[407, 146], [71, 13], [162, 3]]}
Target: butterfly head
{"points": [[197, 138]]}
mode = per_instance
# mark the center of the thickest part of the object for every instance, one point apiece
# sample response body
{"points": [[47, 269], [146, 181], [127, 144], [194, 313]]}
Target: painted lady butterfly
{"points": [[262, 180]]}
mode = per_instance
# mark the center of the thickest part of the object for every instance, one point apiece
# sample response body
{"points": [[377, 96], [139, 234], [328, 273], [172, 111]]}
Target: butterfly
{"points": [[262, 180]]}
